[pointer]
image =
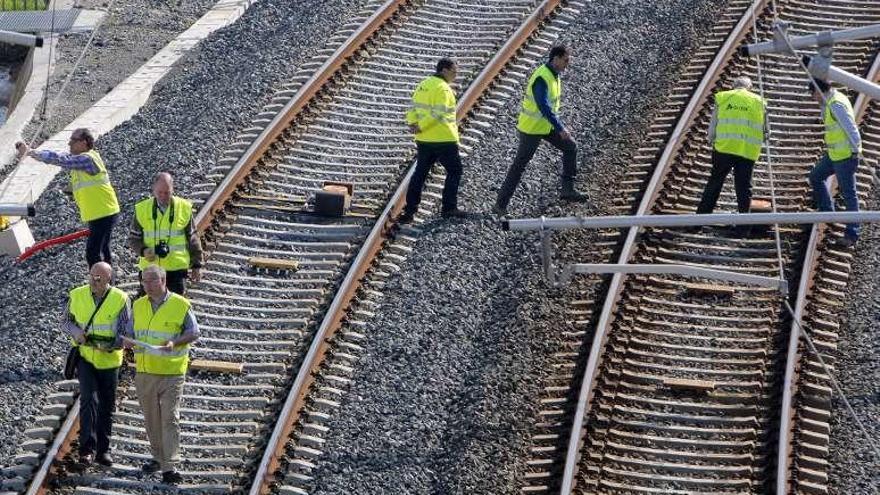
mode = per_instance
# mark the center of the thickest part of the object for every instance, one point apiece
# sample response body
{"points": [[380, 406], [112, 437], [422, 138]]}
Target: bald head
{"points": [[742, 82], [99, 277], [163, 188]]}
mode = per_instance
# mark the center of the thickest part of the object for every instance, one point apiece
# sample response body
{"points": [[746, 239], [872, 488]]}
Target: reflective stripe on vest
{"points": [[156, 329], [836, 139], [433, 109], [82, 305], [531, 120], [94, 195], [740, 123], [158, 230]]}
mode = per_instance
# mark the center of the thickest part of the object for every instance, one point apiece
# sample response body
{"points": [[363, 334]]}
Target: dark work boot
{"points": [[569, 193]]}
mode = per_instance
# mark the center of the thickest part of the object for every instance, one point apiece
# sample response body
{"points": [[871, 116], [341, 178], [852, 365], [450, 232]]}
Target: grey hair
{"points": [[154, 269], [163, 175], [743, 82]]}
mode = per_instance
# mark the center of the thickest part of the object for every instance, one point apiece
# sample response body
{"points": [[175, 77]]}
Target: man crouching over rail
{"points": [[163, 326]]}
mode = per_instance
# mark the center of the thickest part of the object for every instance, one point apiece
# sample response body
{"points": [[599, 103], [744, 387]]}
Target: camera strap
{"points": [[156, 215]]}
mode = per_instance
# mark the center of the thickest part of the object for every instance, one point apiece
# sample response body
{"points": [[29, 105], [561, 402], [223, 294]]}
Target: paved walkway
{"points": [[28, 181]]}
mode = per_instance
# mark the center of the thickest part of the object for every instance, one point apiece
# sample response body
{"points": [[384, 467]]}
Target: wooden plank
{"points": [[761, 206], [218, 366], [690, 384], [711, 289], [274, 263]]}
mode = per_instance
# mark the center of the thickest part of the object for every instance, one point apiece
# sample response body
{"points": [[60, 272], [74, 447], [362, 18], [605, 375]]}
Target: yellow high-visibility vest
{"points": [[433, 109], [156, 329], [94, 195], [835, 137], [531, 120], [740, 126], [169, 226], [82, 305]]}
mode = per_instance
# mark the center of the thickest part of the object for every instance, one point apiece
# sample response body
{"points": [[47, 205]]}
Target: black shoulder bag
{"points": [[71, 365]]}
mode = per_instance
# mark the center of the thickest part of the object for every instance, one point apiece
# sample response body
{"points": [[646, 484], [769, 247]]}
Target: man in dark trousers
{"points": [[737, 134], [432, 119], [539, 121], [163, 233], [92, 191], [95, 317]]}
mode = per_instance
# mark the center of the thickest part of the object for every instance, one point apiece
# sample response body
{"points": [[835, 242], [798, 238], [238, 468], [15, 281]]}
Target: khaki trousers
{"points": [[159, 396]]}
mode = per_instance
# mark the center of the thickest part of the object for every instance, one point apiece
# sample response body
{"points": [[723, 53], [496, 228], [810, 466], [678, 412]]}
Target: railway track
{"points": [[340, 120], [682, 392]]}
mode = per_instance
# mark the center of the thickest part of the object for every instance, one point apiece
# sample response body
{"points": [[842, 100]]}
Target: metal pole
{"points": [[20, 39], [620, 221], [817, 39], [686, 270], [17, 210], [829, 72]]}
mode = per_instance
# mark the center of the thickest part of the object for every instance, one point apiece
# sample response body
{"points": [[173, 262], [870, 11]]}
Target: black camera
{"points": [[162, 249]]}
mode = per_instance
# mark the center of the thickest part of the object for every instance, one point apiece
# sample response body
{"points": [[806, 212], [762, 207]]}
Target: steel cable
{"points": [[802, 332]]}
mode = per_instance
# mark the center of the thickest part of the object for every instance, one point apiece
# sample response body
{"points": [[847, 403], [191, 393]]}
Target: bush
{"points": [[7, 5]]}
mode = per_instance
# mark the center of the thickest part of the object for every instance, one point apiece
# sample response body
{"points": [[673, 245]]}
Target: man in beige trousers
{"points": [[163, 326]]}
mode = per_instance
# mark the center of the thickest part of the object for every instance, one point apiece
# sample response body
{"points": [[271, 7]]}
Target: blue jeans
{"points": [[845, 171]]}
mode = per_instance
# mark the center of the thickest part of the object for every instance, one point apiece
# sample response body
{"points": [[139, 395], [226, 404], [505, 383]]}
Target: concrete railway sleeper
{"points": [[250, 206]]}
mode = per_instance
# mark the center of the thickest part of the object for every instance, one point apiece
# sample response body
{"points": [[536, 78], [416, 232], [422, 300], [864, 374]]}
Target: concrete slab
{"points": [[30, 178]]}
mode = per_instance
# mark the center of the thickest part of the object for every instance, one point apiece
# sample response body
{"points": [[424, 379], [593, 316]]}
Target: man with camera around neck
{"points": [[163, 233]]}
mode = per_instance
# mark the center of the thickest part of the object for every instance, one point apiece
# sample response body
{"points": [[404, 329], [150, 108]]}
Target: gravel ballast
{"points": [[131, 32], [193, 113], [853, 463], [444, 397]]}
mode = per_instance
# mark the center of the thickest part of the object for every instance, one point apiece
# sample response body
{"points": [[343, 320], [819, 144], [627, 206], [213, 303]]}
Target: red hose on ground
{"points": [[52, 242]]}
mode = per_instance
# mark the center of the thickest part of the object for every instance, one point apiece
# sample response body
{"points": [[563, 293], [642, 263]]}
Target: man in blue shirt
{"points": [[539, 120]]}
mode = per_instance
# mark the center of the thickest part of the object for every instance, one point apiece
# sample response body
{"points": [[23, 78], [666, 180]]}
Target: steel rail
{"points": [[59, 449], [380, 232], [793, 357], [205, 216], [291, 111], [615, 289]]}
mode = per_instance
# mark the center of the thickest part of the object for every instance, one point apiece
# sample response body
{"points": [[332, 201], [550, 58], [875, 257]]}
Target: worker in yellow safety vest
{"points": [[431, 118], [736, 132], [92, 191], [162, 328], [163, 233], [843, 145], [95, 318], [539, 121]]}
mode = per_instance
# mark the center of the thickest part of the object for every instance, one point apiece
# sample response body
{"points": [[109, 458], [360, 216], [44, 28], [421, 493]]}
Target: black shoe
{"points": [[569, 193], [85, 460], [104, 459], [150, 466], [453, 213], [405, 217], [846, 242], [498, 211], [171, 477]]}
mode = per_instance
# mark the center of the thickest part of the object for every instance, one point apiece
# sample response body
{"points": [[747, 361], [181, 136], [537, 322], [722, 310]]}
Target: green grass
{"points": [[8, 5]]}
